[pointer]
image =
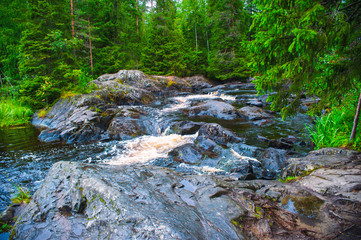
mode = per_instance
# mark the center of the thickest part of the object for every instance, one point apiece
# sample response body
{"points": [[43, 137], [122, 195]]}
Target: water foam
{"points": [[185, 101], [145, 148]]}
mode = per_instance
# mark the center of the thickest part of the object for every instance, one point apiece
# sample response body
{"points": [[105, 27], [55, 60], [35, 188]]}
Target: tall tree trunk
{"points": [[207, 45], [195, 33], [137, 18], [115, 4], [151, 5], [72, 23], [90, 47], [355, 122]]}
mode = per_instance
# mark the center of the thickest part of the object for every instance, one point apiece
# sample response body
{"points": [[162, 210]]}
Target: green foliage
{"points": [[333, 129], [13, 113], [5, 228], [228, 55], [22, 196], [163, 54], [304, 47]]}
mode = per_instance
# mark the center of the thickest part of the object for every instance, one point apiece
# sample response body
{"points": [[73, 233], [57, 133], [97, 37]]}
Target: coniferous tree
{"points": [[46, 52], [228, 46], [163, 51], [194, 28], [11, 25]]}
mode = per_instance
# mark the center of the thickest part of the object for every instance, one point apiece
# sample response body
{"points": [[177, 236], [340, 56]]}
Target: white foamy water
{"points": [[145, 148], [184, 102]]}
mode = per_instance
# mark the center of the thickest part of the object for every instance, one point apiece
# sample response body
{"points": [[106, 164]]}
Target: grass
{"points": [[12, 112], [334, 129], [22, 196]]}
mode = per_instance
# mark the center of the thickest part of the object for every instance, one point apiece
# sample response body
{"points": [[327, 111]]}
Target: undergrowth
{"points": [[12, 112], [333, 129]]}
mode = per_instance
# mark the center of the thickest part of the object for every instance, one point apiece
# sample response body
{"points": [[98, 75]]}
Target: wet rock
{"points": [[217, 133], [198, 83], [254, 113], [187, 153], [128, 202], [212, 108], [327, 158], [274, 160], [187, 127], [263, 122], [85, 201], [129, 123], [255, 103], [282, 143], [50, 135]]}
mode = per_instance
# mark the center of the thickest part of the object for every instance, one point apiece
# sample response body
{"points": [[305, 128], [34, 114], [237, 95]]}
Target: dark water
{"points": [[24, 161]]}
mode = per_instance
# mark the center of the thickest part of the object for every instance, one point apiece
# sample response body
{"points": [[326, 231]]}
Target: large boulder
{"points": [[86, 201], [217, 134], [212, 108], [329, 171], [82, 201], [254, 113], [97, 116]]}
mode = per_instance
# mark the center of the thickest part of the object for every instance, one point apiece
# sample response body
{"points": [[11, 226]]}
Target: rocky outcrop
{"points": [[80, 201], [85, 201], [98, 115]]}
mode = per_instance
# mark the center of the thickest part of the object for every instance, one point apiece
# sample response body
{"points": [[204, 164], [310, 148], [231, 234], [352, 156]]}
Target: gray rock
{"points": [[187, 127], [127, 202], [85, 201], [212, 108], [217, 133], [254, 113], [84, 118]]}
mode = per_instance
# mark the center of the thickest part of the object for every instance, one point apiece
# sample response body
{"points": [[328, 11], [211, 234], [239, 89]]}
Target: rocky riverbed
{"points": [[186, 159]]}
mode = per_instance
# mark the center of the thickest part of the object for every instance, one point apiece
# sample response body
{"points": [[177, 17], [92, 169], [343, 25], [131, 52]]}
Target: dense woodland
{"points": [[293, 48]]}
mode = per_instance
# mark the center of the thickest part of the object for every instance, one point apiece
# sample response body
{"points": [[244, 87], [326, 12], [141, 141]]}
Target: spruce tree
{"points": [[46, 52], [228, 45], [163, 51]]}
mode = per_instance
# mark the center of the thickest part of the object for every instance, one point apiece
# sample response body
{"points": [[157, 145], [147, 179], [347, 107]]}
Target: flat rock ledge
{"points": [[88, 201]]}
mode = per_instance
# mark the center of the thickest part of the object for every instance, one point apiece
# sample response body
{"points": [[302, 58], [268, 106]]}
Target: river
{"points": [[25, 161]]}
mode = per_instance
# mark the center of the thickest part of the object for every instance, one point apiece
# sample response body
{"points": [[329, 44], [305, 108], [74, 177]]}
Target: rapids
{"points": [[24, 161]]}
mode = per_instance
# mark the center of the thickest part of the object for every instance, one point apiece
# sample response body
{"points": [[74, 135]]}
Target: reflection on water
{"points": [[18, 138], [304, 206]]}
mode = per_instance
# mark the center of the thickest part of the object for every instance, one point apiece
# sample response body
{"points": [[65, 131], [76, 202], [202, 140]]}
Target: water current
{"points": [[25, 161]]}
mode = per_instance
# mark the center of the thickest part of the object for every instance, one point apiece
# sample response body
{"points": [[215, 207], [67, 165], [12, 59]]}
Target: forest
{"points": [[293, 49]]}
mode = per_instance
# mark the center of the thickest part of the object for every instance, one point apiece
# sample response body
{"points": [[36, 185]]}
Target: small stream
{"points": [[24, 161]]}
